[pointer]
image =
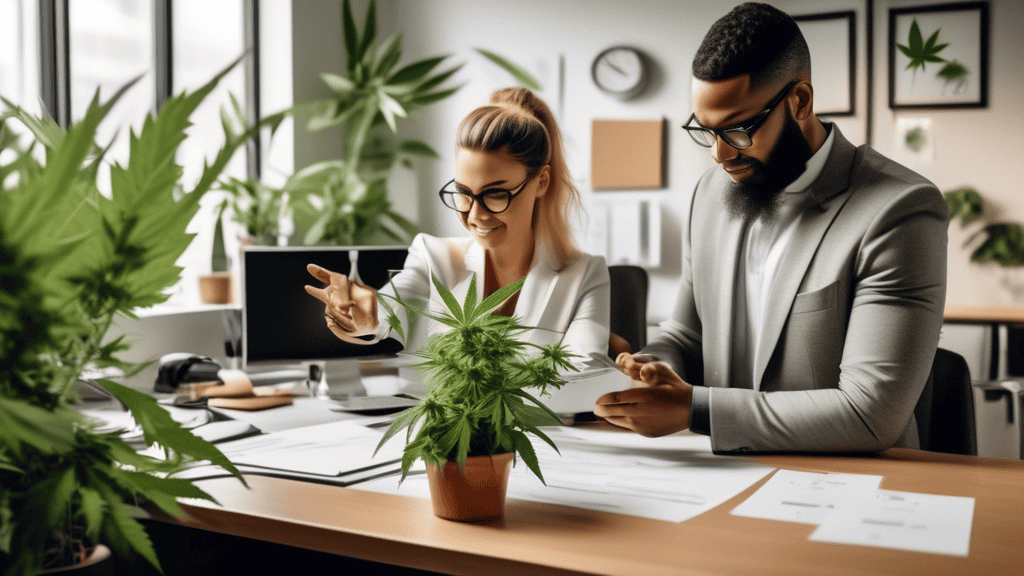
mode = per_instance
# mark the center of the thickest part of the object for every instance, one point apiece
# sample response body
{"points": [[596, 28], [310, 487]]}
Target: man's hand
{"points": [[659, 404], [350, 307]]}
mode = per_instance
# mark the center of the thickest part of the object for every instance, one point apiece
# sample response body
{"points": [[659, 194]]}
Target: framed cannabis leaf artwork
{"points": [[938, 56]]}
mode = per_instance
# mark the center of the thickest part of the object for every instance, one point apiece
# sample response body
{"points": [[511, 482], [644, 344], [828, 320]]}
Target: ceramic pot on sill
{"points": [[477, 493], [215, 288]]}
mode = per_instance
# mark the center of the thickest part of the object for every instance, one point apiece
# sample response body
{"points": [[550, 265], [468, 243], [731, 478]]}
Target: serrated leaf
{"points": [[449, 299], [525, 450], [499, 296], [158, 426], [93, 509], [469, 307]]}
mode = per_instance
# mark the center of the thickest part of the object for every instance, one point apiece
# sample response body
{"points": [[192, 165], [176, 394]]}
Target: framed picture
{"points": [[938, 56], [832, 40]]}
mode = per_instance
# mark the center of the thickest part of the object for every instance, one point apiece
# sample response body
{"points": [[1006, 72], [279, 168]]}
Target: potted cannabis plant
{"points": [[345, 202], [477, 412], [71, 259]]}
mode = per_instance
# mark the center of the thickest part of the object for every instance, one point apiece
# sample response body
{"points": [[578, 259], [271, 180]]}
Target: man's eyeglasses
{"points": [[738, 135], [494, 200]]}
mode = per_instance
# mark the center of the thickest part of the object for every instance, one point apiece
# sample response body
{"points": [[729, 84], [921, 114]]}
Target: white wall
{"points": [[973, 147], [538, 34]]}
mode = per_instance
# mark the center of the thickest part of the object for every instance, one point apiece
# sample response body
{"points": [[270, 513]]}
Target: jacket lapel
{"points": [[827, 198], [720, 289], [536, 292]]}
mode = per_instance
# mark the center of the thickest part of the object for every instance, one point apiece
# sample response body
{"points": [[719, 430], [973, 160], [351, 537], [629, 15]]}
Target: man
{"points": [[813, 274]]}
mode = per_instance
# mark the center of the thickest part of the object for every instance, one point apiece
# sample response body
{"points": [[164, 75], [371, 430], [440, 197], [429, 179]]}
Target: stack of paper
{"points": [[850, 509], [337, 453]]}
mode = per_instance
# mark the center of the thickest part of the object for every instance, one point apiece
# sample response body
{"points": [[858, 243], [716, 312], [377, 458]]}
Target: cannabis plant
{"points": [[477, 374], [71, 259], [345, 201], [256, 207]]}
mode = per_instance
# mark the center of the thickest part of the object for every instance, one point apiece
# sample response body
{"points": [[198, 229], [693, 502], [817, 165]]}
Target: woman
{"points": [[512, 192]]}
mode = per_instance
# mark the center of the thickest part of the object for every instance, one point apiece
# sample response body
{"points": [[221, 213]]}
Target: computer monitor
{"points": [[281, 323]]}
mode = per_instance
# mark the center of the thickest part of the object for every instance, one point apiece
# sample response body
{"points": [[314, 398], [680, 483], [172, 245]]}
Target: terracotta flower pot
{"points": [[477, 493], [215, 288]]}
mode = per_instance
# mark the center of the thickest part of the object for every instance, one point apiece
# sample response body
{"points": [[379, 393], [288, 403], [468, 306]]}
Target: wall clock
{"points": [[621, 71]]}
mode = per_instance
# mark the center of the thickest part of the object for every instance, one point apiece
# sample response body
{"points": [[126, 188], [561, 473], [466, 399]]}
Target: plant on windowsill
{"points": [[71, 259], [345, 202], [475, 417], [1000, 243]]}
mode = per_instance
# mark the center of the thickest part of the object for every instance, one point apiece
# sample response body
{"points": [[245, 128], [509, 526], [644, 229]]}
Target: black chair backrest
{"points": [[629, 304], [945, 411]]}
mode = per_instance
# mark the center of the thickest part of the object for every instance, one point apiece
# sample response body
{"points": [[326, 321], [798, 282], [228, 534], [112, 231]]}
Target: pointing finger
{"points": [[321, 274]]}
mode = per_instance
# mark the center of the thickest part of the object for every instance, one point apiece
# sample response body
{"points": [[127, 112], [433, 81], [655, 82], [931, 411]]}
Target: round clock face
{"points": [[621, 71]]}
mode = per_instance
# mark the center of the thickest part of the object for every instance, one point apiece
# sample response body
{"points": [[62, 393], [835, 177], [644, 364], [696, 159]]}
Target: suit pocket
{"points": [[816, 300]]}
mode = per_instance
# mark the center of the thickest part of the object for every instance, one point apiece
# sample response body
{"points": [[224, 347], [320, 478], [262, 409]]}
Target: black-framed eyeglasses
{"points": [[494, 200], [738, 135]]}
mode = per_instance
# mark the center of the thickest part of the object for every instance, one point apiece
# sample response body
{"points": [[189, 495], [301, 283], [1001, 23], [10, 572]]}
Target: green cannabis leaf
{"points": [[477, 374], [920, 51]]}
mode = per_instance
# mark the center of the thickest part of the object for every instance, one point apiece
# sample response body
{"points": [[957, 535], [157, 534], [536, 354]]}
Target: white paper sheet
{"points": [[806, 497], [903, 521], [329, 449], [673, 478]]}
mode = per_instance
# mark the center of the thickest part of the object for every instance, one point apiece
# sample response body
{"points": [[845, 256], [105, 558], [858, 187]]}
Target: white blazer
{"points": [[571, 304]]}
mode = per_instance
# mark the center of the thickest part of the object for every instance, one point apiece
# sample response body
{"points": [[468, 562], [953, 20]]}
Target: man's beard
{"points": [[759, 195]]}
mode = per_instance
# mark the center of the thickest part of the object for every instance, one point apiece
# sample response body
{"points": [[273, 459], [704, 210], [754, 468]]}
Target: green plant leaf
{"points": [[158, 426], [350, 35], [497, 297], [525, 449], [449, 299], [964, 203], [401, 422], [520, 74], [93, 509], [125, 534], [369, 30], [28, 425], [389, 54], [338, 83], [415, 71], [431, 97], [436, 80], [417, 148], [470, 304], [918, 51]]}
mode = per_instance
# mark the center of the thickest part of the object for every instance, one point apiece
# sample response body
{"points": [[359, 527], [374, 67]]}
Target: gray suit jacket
{"points": [[851, 322]]}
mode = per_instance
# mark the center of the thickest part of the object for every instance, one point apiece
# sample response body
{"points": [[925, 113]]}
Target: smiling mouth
{"points": [[484, 231]]}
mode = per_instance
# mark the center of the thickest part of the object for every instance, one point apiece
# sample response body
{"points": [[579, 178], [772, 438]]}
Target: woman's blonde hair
{"points": [[521, 125]]}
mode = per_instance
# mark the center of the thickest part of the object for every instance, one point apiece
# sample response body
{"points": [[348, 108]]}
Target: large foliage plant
{"points": [[477, 374], [71, 259], [1001, 243], [345, 201]]}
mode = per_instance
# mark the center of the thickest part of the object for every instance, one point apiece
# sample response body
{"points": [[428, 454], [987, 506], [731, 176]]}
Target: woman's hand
{"points": [[351, 307]]}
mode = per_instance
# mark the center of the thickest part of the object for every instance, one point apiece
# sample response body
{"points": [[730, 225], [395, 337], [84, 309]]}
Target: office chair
{"points": [[629, 309], [945, 411]]}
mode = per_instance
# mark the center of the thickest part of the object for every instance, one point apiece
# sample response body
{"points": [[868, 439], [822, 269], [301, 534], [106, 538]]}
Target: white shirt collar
{"points": [[814, 165]]}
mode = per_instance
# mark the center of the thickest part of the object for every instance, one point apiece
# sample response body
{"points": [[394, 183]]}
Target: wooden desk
{"points": [[536, 538], [994, 316]]}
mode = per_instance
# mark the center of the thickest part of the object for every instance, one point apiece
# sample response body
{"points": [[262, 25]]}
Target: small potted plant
{"points": [[477, 412], [215, 287]]}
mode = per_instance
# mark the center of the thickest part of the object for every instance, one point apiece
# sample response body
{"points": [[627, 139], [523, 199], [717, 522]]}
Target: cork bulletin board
{"points": [[627, 154]]}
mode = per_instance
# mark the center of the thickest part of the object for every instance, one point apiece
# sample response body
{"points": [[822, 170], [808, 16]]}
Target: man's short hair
{"points": [[755, 39]]}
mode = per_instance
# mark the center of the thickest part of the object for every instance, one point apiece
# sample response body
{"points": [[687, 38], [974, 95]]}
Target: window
{"points": [[19, 55]]}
